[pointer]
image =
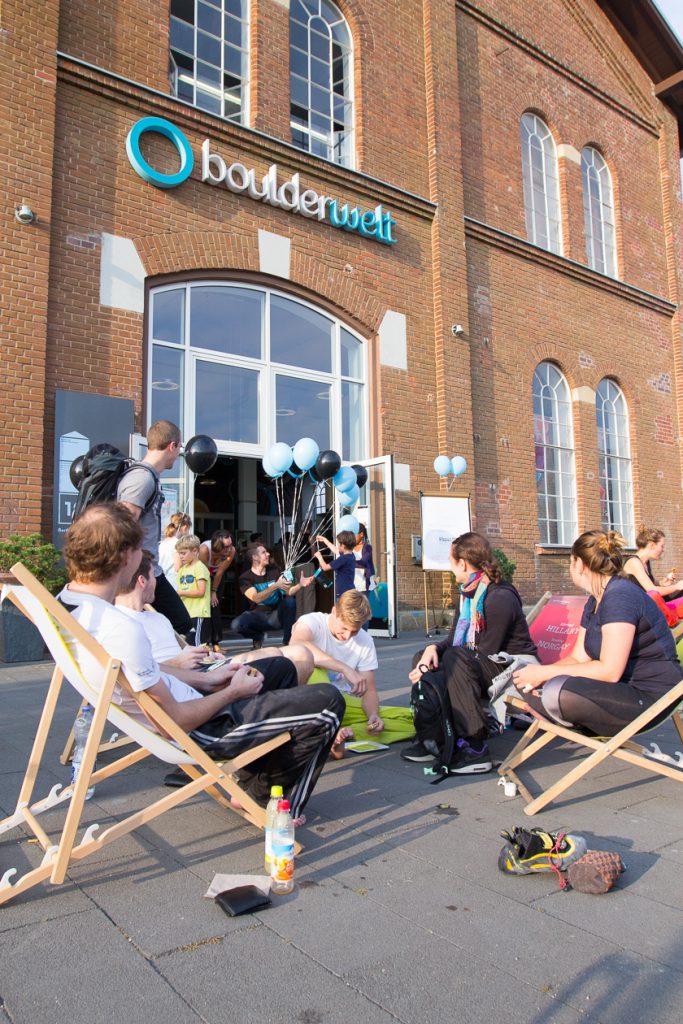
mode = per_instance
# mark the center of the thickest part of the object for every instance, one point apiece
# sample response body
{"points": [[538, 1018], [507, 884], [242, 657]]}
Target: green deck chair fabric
{"points": [[398, 722]]}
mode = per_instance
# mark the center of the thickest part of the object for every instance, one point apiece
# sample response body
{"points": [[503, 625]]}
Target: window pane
{"points": [[182, 36], [353, 435], [208, 18], [227, 403], [167, 384], [351, 355], [208, 49], [168, 317], [302, 410], [227, 320], [299, 336]]}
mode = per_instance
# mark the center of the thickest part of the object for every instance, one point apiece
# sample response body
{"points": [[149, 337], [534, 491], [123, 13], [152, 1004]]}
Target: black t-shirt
{"points": [[652, 663], [505, 627], [249, 579]]}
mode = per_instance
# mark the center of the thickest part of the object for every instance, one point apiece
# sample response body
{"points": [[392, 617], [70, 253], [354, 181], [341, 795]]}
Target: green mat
{"points": [[398, 722]]}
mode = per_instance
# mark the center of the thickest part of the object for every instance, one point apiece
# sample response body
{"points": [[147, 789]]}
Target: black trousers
{"points": [[312, 714], [591, 705], [167, 601], [468, 678]]}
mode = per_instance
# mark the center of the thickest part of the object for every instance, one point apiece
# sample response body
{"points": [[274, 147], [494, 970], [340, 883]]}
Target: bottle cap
{"points": [[275, 791], [283, 805]]}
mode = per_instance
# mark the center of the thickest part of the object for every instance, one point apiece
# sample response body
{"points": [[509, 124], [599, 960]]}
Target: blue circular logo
{"points": [[140, 165]]}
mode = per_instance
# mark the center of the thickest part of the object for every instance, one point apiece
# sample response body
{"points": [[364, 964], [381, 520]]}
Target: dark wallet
{"points": [[242, 899]]}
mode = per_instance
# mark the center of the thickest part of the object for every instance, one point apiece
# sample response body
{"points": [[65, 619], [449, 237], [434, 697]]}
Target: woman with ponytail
{"points": [[624, 658], [491, 621]]}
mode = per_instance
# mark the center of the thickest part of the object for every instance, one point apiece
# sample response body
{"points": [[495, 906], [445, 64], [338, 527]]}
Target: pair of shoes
{"points": [[529, 851], [418, 752], [468, 761]]}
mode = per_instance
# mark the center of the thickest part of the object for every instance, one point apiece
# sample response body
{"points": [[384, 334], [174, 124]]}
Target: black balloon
{"points": [[327, 464], [76, 471], [314, 475], [361, 474], [200, 453]]}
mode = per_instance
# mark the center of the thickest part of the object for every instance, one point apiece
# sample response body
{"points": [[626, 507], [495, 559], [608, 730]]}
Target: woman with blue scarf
{"points": [[491, 621]]}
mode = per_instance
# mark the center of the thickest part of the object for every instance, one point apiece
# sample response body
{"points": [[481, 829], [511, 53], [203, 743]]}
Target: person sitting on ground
{"points": [[194, 584], [343, 565], [102, 550], [491, 621], [340, 646], [217, 555], [650, 544], [270, 596], [178, 526], [624, 658]]}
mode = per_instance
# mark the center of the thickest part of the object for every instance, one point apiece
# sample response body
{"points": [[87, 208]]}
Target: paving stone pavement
{"points": [[400, 913]]}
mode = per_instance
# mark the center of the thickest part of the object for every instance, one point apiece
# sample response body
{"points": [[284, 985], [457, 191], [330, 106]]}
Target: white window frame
{"points": [[610, 404], [558, 391], [598, 212], [318, 9], [543, 215], [267, 423], [241, 116]]}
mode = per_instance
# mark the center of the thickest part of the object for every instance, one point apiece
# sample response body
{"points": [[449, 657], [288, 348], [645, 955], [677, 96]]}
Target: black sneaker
{"points": [[256, 645], [417, 752], [468, 761]]}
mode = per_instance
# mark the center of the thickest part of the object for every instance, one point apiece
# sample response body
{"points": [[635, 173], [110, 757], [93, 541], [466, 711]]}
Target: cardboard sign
{"points": [[555, 629]]}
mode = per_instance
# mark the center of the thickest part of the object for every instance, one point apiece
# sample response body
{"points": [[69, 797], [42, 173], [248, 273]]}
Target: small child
{"points": [[194, 583], [344, 565]]}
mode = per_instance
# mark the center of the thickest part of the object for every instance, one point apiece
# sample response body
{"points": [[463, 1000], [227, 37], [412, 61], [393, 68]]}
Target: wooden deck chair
{"points": [[621, 746], [59, 631]]}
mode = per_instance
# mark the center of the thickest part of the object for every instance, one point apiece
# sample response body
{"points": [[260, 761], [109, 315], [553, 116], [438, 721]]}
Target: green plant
{"points": [[39, 556], [506, 566]]}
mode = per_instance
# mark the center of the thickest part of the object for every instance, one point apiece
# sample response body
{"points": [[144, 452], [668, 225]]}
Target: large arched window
{"points": [[541, 184], [614, 454], [209, 55], [250, 366], [321, 80], [598, 212], [554, 447]]}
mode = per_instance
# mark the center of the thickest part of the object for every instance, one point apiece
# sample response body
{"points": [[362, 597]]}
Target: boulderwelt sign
{"points": [[288, 195]]}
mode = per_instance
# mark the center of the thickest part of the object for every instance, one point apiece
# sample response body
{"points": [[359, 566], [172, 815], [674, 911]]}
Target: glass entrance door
{"points": [[376, 511]]}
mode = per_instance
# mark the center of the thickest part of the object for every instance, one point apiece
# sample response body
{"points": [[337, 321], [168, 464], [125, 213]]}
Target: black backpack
{"points": [[431, 709], [103, 468]]}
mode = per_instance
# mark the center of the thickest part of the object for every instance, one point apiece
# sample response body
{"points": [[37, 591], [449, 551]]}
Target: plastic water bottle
{"points": [[282, 851], [271, 809], [81, 730]]}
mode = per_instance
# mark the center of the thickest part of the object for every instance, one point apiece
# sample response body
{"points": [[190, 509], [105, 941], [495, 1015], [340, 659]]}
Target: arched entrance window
{"points": [[250, 366]]}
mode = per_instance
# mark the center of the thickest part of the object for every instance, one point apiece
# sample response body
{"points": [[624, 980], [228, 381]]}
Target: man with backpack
{"points": [[139, 490]]}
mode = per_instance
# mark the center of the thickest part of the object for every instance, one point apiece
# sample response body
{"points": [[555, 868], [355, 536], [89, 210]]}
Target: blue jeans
{"points": [[253, 625]]}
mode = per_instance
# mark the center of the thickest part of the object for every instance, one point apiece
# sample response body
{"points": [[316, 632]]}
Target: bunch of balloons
{"points": [[445, 466]]}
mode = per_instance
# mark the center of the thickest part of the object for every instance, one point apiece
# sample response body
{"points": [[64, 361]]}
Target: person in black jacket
{"points": [[491, 620]]}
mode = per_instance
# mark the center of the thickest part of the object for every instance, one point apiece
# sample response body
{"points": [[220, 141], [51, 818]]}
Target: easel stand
{"points": [[436, 630]]}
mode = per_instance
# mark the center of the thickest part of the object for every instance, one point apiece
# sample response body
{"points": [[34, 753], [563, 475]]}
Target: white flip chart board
{"points": [[444, 517]]}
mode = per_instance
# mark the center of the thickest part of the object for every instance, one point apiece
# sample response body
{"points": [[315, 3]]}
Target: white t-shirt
{"points": [[166, 553], [358, 652], [164, 646], [122, 637]]}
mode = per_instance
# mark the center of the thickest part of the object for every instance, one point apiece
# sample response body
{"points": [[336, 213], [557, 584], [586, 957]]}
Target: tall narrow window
{"points": [[598, 212], [209, 58], [541, 184], [614, 454], [321, 101], [554, 446]]}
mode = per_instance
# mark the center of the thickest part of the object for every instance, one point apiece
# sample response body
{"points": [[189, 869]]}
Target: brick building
{"points": [[509, 168]]}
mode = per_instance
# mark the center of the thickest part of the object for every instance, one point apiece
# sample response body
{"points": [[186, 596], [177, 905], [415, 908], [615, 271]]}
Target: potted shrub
{"points": [[19, 638]]}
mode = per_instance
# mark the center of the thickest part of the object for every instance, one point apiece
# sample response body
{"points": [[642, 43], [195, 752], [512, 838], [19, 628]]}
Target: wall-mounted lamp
{"points": [[457, 330], [24, 214]]}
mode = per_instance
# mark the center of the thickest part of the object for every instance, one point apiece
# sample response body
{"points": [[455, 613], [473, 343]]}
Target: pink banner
{"points": [[555, 630]]}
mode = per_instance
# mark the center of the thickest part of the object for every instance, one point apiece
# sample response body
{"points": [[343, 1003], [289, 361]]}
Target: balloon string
{"points": [[298, 545]]}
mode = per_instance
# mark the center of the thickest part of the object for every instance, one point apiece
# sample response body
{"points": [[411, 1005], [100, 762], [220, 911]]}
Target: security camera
{"points": [[24, 214], [457, 330]]}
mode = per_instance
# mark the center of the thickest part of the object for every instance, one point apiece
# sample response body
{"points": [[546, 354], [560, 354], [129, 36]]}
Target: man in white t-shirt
{"points": [[102, 550], [340, 645]]}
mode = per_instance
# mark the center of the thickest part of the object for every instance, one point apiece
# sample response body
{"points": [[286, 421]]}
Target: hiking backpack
{"points": [[431, 709], [103, 469]]}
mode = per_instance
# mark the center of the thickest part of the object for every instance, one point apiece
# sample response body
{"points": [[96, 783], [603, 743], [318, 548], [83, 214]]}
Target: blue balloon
{"points": [[350, 497], [306, 453], [344, 479], [268, 467], [348, 523], [458, 465], [443, 465], [281, 457]]}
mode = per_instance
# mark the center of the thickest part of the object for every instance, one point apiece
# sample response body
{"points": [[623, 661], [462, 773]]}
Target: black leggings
{"points": [[591, 705], [468, 678]]}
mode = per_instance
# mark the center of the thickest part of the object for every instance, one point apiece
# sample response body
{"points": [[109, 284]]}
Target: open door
{"points": [[376, 510]]}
